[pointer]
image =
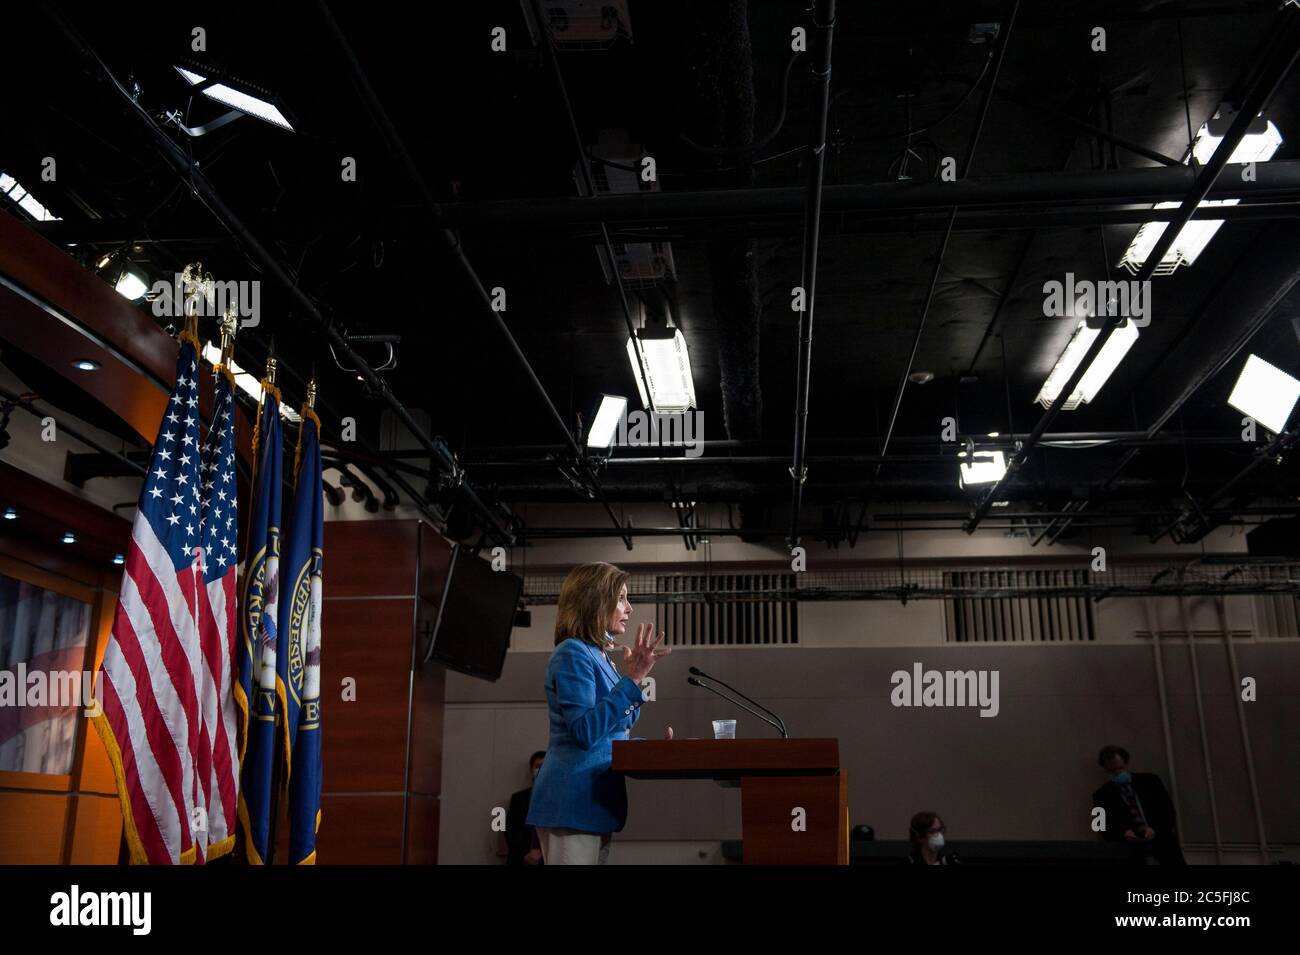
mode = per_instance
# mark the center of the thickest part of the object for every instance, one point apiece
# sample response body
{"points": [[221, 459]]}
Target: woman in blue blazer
{"points": [[577, 799]]}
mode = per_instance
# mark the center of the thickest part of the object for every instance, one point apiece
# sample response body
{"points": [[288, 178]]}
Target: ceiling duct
{"points": [[616, 169]]}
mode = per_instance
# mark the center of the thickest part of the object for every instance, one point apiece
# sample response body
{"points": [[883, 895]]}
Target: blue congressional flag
{"points": [[258, 623], [299, 666]]}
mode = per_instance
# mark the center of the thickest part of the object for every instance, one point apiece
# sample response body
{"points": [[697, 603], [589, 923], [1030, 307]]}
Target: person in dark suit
{"points": [[1138, 810], [927, 834], [523, 847]]}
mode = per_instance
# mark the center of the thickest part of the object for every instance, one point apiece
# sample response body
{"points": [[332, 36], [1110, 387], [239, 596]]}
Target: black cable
{"points": [[758, 143], [921, 129]]}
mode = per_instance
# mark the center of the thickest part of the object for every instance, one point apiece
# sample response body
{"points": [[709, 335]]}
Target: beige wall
{"points": [[1027, 773]]}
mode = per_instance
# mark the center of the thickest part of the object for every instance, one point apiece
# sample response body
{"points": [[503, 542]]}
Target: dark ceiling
{"points": [[484, 126]]}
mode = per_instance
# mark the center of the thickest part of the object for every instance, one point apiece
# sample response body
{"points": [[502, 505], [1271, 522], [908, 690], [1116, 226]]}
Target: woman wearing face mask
{"points": [[926, 833], [577, 799]]}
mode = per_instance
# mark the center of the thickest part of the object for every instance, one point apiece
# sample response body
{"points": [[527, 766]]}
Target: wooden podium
{"points": [[776, 776]]}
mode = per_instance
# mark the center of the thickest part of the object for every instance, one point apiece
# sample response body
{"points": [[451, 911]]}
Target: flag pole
{"points": [[277, 762]]}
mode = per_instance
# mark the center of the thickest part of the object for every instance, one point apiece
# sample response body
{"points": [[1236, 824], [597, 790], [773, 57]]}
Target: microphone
{"points": [[698, 672], [694, 682]]}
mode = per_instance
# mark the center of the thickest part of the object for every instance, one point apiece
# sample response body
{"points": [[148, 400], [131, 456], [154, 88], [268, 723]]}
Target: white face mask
{"points": [[936, 841]]}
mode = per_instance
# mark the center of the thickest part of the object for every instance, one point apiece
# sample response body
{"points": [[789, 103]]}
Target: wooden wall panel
{"points": [[369, 559], [435, 559], [364, 742], [422, 830], [360, 830], [427, 715], [73, 313], [33, 827], [96, 830]]}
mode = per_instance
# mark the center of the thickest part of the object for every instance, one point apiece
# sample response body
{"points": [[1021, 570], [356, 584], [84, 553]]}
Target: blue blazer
{"points": [[590, 707]]}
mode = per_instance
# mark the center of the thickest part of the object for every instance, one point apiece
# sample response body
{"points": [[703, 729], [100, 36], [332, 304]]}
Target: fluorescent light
{"points": [[984, 467], [248, 384], [119, 560], [1265, 393], [1112, 353], [131, 286], [604, 427], [1185, 249], [667, 370], [11, 514], [1258, 145], [69, 537], [85, 364], [13, 189], [243, 102]]}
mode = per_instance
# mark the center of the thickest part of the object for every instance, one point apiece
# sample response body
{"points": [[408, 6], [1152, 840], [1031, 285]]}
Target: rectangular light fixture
{"points": [[1258, 145], [13, 189], [131, 286], [237, 99], [666, 370], [1107, 360], [1265, 393], [604, 426], [984, 467]]}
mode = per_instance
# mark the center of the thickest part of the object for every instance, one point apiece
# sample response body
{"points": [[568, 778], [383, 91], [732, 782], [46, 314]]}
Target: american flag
{"points": [[153, 673], [219, 755]]}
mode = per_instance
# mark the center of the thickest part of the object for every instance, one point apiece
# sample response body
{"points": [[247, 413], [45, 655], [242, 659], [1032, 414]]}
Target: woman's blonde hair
{"points": [[588, 599]]}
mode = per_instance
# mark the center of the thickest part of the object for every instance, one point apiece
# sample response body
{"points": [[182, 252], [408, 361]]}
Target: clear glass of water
{"points": [[724, 729]]}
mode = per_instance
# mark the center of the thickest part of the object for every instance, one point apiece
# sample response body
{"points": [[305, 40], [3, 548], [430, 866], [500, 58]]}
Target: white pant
{"points": [[571, 847]]}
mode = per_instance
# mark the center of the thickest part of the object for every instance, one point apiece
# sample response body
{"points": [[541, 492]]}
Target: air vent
{"points": [[1046, 619], [719, 609]]}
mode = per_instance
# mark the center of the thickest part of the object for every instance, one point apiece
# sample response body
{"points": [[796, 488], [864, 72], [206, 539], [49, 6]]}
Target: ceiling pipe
{"points": [[1269, 78], [164, 232], [452, 244], [204, 191], [640, 210], [981, 441], [824, 23], [531, 534], [1004, 40], [588, 183]]}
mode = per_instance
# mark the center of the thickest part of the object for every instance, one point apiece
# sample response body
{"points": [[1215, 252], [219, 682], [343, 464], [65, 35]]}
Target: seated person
{"points": [[926, 834]]}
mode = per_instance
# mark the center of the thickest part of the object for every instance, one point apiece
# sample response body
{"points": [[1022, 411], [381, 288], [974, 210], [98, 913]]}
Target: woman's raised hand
{"points": [[640, 659]]}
